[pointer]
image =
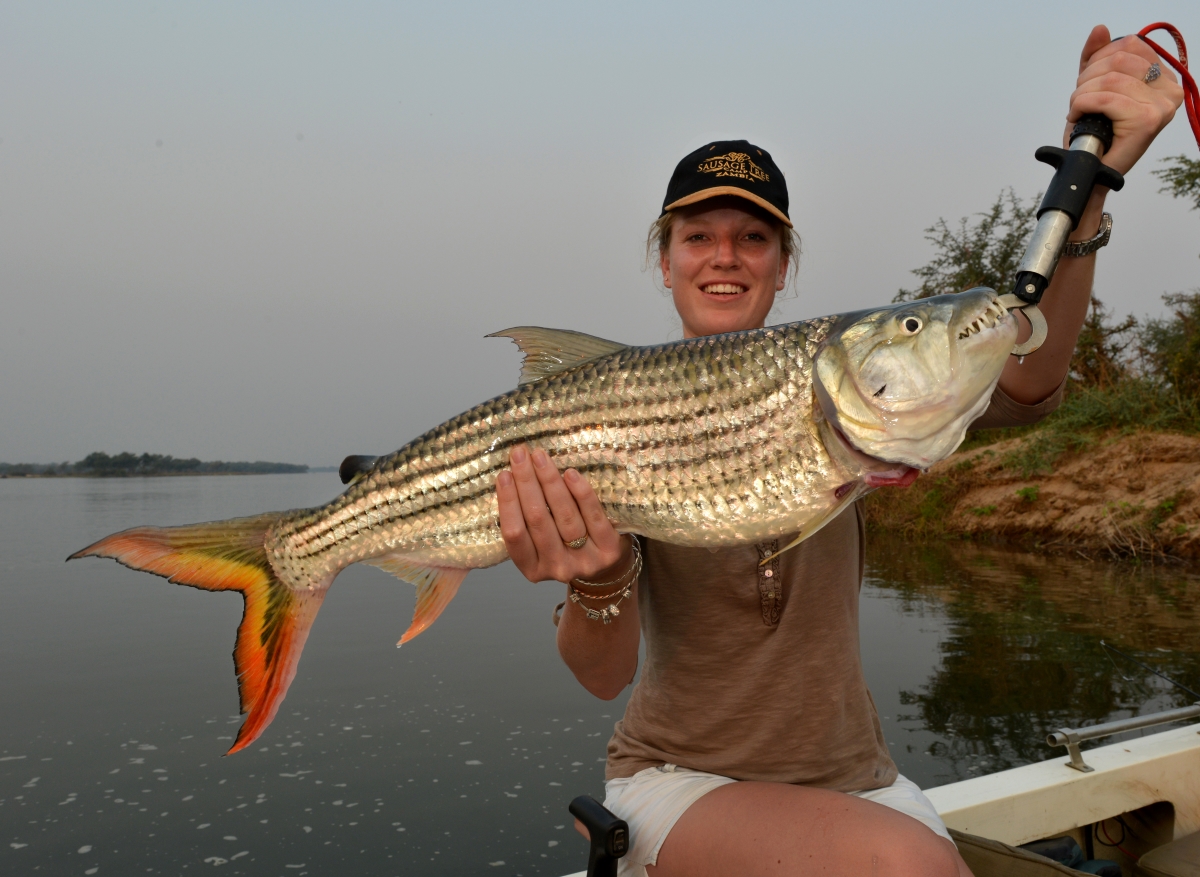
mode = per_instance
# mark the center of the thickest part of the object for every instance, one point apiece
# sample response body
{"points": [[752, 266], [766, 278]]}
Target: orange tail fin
{"points": [[230, 556]]}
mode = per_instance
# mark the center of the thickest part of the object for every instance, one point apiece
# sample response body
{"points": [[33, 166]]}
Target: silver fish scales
{"points": [[704, 442], [710, 441]]}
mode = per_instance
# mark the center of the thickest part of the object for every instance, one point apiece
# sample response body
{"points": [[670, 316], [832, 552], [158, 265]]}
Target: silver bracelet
{"points": [[608, 613], [1086, 248], [612, 610], [637, 561]]}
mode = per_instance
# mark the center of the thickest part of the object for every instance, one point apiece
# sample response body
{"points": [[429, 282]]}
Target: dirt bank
{"points": [[1132, 495]]}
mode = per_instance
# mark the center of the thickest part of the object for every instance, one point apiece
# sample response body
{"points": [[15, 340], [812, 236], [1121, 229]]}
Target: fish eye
{"points": [[911, 325]]}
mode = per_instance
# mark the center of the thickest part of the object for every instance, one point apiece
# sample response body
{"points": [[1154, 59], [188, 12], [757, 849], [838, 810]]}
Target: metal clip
{"points": [[1037, 321], [1070, 738]]}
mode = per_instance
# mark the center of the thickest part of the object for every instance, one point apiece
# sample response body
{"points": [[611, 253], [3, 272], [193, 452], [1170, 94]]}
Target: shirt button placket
{"points": [[770, 591]]}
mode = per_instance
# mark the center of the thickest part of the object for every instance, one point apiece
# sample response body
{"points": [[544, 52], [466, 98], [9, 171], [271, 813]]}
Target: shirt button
{"points": [[768, 573]]}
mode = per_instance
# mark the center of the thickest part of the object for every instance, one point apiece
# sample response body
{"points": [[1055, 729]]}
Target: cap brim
{"points": [[717, 191]]}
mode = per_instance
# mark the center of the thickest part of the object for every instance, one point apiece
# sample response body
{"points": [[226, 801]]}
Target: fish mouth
{"points": [[993, 315], [723, 288]]}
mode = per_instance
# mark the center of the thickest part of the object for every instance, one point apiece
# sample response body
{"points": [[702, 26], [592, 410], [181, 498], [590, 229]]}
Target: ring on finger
{"points": [[577, 543], [1153, 73]]}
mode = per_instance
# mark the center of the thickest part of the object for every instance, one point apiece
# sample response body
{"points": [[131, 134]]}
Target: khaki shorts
{"points": [[652, 800]]}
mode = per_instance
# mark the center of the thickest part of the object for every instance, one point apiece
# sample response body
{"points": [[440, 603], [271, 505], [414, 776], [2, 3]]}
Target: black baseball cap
{"points": [[729, 167]]}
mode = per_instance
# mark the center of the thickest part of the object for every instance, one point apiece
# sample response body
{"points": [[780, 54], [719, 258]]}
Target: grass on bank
{"points": [[1087, 414], [1088, 417]]}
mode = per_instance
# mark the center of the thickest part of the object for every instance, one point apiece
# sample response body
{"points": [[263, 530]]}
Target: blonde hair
{"points": [[658, 241]]}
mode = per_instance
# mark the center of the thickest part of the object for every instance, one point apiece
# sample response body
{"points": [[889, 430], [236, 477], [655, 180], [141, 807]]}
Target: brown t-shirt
{"points": [[753, 672]]}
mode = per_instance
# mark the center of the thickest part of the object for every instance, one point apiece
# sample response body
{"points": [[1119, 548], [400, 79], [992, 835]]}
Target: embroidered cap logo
{"points": [[734, 164]]}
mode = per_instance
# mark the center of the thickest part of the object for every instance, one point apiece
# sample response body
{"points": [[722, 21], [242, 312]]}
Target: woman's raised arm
{"points": [[1112, 81]]}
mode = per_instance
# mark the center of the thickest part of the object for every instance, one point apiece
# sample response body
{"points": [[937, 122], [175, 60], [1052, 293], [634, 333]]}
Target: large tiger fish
{"points": [[708, 441]]}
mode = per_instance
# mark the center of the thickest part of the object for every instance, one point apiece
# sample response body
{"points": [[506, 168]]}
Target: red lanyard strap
{"points": [[1191, 94]]}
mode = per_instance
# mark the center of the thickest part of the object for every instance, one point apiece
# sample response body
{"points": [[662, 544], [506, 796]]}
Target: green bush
{"points": [[1170, 348], [1182, 178], [983, 253]]}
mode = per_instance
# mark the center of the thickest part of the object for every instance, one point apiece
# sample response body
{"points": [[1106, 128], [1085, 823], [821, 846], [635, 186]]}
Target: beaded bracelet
{"points": [[607, 614], [611, 611]]}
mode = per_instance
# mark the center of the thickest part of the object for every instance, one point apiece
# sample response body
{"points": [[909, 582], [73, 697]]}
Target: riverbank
{"points": [[1115, 495]]}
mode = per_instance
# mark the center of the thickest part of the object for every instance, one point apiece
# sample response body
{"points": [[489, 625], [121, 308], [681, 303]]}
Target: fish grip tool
{"points": [[609, 835], [1078, 170]]}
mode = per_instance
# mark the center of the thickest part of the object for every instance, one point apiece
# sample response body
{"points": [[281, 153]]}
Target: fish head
{"points": [[901, 384]]}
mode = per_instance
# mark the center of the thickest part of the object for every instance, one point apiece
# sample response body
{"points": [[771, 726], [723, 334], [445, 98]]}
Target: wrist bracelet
{"points": [[612, 610], [637, 561], [1086, 248], [608, 613]]}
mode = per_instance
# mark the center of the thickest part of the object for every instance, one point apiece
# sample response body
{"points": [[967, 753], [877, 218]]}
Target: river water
{"points": [[459, 753]]}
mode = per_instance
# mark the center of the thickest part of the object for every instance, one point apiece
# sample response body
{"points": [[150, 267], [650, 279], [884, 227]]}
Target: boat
{"points": [[1130, 808]]}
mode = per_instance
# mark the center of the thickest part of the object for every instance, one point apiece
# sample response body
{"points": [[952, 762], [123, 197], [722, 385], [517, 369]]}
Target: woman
{"points": [[751, 745]]}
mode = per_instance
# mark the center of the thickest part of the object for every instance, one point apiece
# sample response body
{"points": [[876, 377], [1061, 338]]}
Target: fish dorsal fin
{"points": [[354, 467], [550, 352], [436, 587]]}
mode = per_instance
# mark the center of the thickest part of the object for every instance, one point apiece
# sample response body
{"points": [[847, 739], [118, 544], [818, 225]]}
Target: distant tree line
{"points": [[101, 465]]}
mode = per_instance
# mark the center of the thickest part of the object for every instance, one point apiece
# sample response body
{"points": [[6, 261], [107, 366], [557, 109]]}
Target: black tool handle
{"points": [[1096, 125], [609, 834], [1077, 171]]}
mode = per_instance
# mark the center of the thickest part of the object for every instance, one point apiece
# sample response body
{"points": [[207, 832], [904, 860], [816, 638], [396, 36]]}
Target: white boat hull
{"points": [[1049, 798]]}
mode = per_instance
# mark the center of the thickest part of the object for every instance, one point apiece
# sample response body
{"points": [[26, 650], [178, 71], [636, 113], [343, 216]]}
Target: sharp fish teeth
{"points": [[987, 320]]}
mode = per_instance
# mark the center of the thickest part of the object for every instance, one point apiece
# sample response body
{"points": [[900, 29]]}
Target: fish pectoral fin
{"points": [[850, 497], [436, 587], [354, 467], [550, 352], [804, 534]]}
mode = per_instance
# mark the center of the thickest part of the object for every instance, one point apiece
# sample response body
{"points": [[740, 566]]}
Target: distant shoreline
{"points": [[126, 465], [305, 470]]}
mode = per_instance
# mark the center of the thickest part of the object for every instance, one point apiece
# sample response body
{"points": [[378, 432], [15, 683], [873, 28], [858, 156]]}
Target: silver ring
{"points": [[1152, 74], [576, 543]]}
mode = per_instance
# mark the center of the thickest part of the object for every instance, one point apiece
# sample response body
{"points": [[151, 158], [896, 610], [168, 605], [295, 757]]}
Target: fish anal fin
{"points": [[550, 352], [231, 556], [436, 587]]}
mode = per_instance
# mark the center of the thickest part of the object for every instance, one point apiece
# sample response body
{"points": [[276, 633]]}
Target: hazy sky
{"points": [[280, 231]]}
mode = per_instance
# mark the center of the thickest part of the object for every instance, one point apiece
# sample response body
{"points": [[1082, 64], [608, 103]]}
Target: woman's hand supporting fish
{"points": [[1111, 81], [541, 510]]}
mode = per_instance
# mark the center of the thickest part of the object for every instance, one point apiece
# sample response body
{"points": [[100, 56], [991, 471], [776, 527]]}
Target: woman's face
{"points": [[723, 266]]}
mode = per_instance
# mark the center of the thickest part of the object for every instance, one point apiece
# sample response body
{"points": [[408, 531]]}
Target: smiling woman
{"points": [[750, 744], [724, 242], [723, 264], [705, 761]]}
